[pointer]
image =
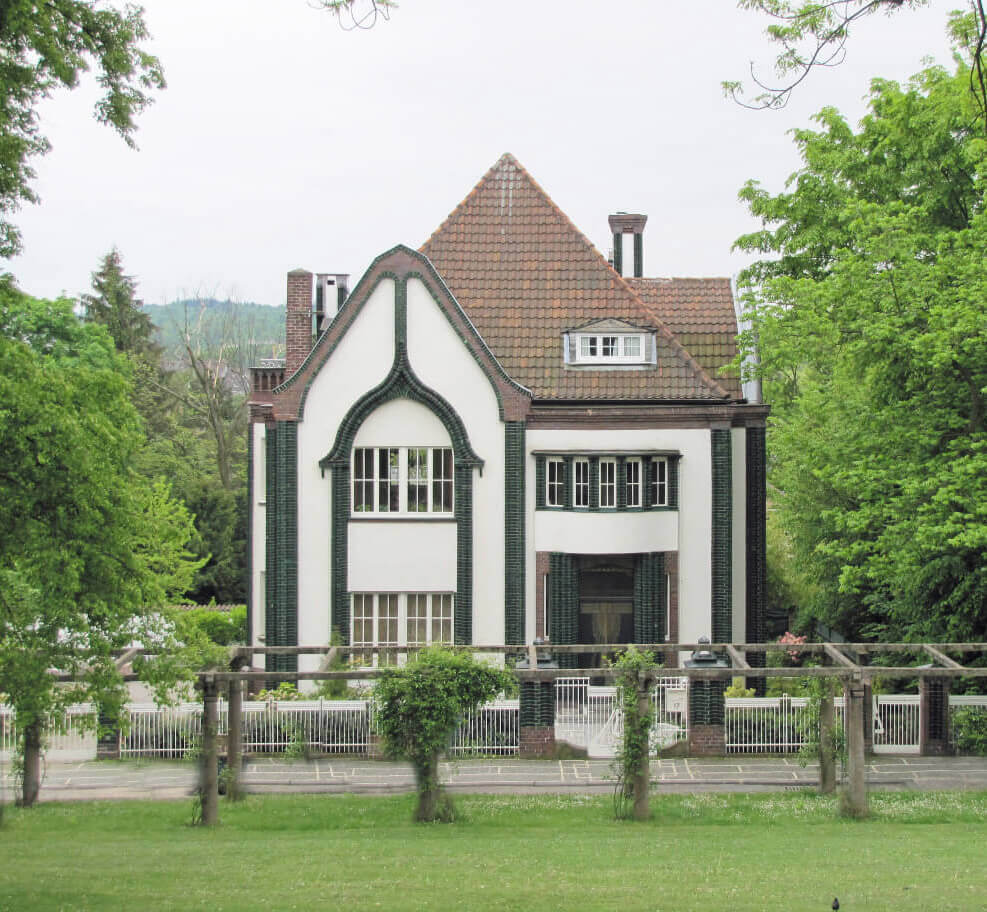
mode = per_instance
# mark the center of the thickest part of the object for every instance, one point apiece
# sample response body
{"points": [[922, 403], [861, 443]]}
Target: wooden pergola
{"points": [[847, 662]]}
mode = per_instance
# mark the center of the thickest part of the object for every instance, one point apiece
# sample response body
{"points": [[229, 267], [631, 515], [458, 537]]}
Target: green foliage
{"points": [[815, 689], [970, 729], [737, 689], [114, 305], [46, 46], [89, 551], [220, 627], [418, 706], [266, 325], [813, 34], [868, 315], [632, 668], [286, 691]]}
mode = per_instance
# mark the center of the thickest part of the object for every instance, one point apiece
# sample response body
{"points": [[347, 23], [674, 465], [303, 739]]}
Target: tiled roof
{"points": [[524, 273], [700, 313]]}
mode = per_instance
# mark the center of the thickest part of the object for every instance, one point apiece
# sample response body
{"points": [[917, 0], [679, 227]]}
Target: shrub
{"points": [[970, 730]]}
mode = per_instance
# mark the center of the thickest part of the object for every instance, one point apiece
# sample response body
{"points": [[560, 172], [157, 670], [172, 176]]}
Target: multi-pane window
{"points": [[418, 480], [658, 496], [632, 482], [608, 483], [441, 480], [391, 619], [621, 349], [580, 488], [402, 480], [555, 483]]}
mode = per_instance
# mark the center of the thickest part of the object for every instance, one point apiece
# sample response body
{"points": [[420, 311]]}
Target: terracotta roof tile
{"points": [[524, 274]]}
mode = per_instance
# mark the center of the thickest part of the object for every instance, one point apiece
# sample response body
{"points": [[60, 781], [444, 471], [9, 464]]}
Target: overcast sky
{"points": [[284, 141]]}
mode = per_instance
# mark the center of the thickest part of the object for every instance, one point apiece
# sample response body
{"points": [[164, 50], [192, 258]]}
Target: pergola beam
{"points": [[838, 656], [739, 662], [940, 657]]}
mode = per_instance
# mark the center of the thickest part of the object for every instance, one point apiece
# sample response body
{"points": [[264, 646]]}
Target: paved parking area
{"points": [[162, 779]]}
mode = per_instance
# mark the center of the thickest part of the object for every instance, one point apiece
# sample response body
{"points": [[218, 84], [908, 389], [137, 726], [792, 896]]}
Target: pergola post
{"points": [[933, 710], [234, 739], [854, 798], [827, 753], [642, 775], [208, 772]]}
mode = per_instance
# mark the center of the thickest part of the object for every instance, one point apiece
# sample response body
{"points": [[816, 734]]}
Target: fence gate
{"points": [[590, 717]]}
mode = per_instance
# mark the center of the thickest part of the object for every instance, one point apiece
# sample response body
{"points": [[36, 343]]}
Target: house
{"points": [[500, 436]]}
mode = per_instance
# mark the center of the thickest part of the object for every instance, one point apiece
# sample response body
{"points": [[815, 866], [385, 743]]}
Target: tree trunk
{"points": [[434, 805], [642, 775], [32, 765], [827, 755]]}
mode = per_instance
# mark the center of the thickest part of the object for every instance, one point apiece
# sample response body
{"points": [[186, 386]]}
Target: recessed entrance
{"points": [[606, 602]]}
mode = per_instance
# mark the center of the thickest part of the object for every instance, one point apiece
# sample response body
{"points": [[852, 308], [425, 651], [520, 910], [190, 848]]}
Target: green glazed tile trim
{"points": [[286, 544], [673, 482], [563, 587], [722, 531], [567, 481], [594, 483], [270, 549], [514, 532], [402, 383], [649, 598], [706, 702], [756, 557], [339, 518], [621, 483], [540, 482]]}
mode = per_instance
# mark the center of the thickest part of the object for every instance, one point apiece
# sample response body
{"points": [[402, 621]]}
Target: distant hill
{"points": [[257, 326]]}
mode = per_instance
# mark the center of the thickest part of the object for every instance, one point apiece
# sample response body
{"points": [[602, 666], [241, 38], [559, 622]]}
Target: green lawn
{"points": [[710, 852]]}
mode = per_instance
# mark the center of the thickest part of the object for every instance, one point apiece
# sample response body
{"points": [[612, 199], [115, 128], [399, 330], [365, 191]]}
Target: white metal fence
{"points": [[586, 717], [590, 717], [69, 737]]}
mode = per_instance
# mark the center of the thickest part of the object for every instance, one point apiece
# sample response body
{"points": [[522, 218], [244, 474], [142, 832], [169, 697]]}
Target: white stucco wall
{"points": [[578, 532], [442, 362], [387, 556], [738, 440], [361, 360], [258, 531], [693, 520]]}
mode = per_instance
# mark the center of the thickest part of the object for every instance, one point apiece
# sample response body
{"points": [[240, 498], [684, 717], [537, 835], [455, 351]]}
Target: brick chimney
{"points": [[298, 320], [622, 223]]}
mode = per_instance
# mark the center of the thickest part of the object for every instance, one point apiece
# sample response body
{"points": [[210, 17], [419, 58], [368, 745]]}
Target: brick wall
{"points": [[536, 741], [298, 320], [707, 740]]}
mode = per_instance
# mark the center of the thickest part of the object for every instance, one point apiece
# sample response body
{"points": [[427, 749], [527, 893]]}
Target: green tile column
{"points": [[339, 545], [514, 532], [463, 612], [649, 598], [722, 532], [756, 558], [563, 584]]}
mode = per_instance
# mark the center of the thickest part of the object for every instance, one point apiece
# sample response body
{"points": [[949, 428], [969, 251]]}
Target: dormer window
{"points": [[609, 342]]}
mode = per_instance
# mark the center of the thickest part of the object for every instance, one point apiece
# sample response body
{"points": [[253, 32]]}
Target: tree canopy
{"points": [[48, 45], [869, 317], [815, 34], [90, 552]]}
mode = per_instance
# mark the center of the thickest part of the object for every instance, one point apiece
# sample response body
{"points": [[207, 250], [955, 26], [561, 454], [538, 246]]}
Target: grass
{"points": [[710, 852]]}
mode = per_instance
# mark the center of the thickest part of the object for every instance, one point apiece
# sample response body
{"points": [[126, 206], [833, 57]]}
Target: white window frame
{"points": [[658, 484], [608, 467], [633, 489], [401, 608], [610, 348], [580, 486], [436, 488], [554, 482]]}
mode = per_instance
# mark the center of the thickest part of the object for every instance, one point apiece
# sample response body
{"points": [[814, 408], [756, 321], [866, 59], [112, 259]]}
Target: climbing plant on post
{"points": [[417, 708], [635, 675], [822, 738]]}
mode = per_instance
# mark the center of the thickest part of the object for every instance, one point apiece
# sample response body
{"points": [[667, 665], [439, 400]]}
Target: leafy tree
{"points": [[89, 551], [48, 45], [815, 34], [417, 708], [870, 319]]}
